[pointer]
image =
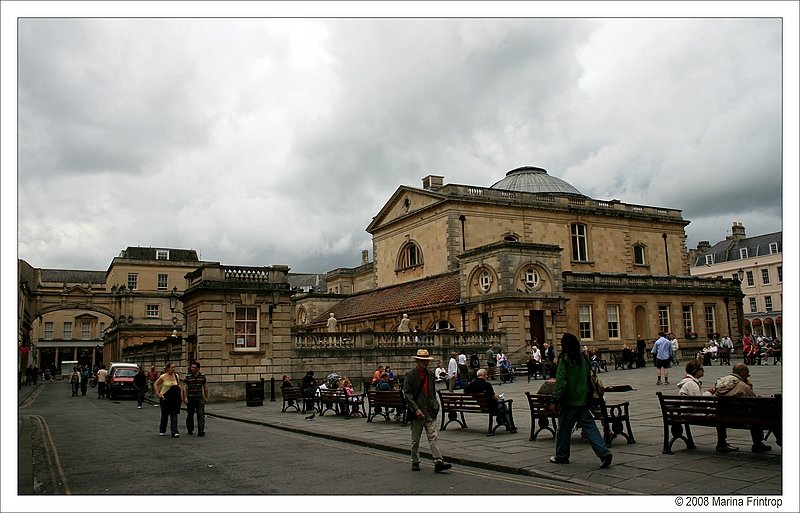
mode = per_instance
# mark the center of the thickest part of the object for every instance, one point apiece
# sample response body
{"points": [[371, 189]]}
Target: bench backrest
{"points": [[766, 412], [468, 403], [292, 393], [386, 398], [688, 408], [333, 395], [539, 404]]}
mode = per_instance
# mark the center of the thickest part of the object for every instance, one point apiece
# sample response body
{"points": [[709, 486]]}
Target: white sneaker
{"points": [[161, 434], [139, 407]]}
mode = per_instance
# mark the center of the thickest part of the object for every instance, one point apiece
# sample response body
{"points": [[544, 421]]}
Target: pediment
{"points": [[76, 290], [406, 201]]}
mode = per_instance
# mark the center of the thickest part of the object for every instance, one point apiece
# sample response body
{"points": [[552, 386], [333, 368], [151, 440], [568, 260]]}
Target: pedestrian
{"points": [[641, 346], [571, 398], [75, 381], [420, 392], [674, 341], [140, 385], [86, 373], [309, 387], [29, 375], [195, 397], [491, 362], [452, 371], [152, 376], [726, 347], [463, 369], [35, 372], [662, 351], [168, 391], [102, 375]]}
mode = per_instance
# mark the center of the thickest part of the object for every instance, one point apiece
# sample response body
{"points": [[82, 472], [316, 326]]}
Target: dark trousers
{"points": [[101, 389], [140, 391], [75, 386], [196, 405], [84, 382], [168, 412]]}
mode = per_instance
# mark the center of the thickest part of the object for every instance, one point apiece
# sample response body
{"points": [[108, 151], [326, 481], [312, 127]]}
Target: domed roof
{"points": [[536, 180]]}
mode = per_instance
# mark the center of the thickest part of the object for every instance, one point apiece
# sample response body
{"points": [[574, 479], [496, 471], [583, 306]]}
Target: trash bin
{"points": [[254, 393]]}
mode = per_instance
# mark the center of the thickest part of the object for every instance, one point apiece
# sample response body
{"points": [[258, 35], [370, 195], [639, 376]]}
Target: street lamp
{"points": [[740, 275], [276, 296], [173, 305]]}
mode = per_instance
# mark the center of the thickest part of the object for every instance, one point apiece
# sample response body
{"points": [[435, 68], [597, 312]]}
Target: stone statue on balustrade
{"points": [[332, 324], [405, 324]]}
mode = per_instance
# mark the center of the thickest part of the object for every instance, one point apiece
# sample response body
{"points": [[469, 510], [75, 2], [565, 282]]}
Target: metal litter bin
{"points": [[254, 393]]}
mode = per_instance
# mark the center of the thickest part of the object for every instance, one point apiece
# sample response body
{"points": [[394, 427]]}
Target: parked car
{"points": [[120, 379]]}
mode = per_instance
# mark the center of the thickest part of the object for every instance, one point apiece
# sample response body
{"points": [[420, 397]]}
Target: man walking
{"points": [[140, 384], [726, 347], [152, 376], [420, 393], [195, 397], [491, 362], [102, 374], [662, 349]]}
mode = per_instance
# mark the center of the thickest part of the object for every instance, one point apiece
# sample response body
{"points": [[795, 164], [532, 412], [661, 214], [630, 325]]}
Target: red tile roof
{"points": [[443, 290]]}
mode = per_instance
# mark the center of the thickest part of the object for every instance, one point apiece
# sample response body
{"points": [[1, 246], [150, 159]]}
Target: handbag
{"points": [[595, 390]]}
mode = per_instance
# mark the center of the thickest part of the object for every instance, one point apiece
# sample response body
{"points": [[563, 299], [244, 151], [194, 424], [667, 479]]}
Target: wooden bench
{"points": [[292, 398], [337, 401], [678, 412], [614, 418], [386, 399], [461, 403]]}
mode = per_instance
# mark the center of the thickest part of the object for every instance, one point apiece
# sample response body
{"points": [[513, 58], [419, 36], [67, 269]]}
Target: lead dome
{"points": [[534, 180]]}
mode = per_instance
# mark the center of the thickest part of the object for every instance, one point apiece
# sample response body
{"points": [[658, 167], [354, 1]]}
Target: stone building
{"points": [[756, 262]]}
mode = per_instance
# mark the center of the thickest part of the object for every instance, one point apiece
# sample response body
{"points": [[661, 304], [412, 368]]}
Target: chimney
{"points": [[703, 246], [737, 231], [432, 182], [365, 257]]}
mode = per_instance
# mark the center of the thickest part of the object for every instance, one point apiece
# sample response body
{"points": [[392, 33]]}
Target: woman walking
{"points": [[571, 396], [168, 389]]}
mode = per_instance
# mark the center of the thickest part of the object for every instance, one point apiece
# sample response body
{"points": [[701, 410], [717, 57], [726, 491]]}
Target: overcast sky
{"points": [[275, 141]]}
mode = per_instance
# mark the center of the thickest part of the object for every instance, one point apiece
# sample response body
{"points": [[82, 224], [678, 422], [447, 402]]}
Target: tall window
{"points": [[613, 321], [162, 254], [688, 319], [780, 274], [67, 331], [102, 329], [768, 303], [663, 318], [579, 242], [162, 282], [742, 252], [585, 321], [773, 247], [86, 330], [410, 256], [246, 331], [151, 311], [639, 255], [709, 259], [765, 276], [133, 281], [48, 331], [750, 280], [711, 326], [753, 305]]}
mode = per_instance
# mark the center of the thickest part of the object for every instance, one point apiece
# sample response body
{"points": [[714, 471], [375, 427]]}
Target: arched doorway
{"points": [[640, 318]]}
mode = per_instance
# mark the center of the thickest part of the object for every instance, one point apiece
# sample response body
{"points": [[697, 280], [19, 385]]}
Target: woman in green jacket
{"points": [[571, 398]]}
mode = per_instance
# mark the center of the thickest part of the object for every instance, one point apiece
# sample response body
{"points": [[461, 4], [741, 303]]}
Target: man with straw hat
{"points": [[419, 388]]}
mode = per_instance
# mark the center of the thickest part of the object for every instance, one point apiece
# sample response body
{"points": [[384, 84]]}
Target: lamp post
{"points": [[173, 307]]}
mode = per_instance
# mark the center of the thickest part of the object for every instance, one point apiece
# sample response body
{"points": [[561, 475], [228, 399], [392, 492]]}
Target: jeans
{"points": [[75, 386], [168, 411], [196, 404], [568, 416], [431, 431], [101, 389]]}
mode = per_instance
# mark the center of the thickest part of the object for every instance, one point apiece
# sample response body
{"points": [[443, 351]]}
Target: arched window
{"points": [[639, 254], [410, 256], [302, 316]]}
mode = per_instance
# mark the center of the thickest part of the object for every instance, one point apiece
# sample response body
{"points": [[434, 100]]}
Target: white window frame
{"points": [[531, 277], [663, 318], [585, 322], [485, 280], [580, 251], [773, 247], [48, 330], [133, 281], [688, 318], [101, 330], [67, 330], [639, 254], [613, 321], [247, 327], [710, 259], [162, 254], [410, 256], [768, 303], [780, 274], [765, 276], [742, 253], [751, 281], [86, 330], [753, 305], [152, 311], [710, 315], [162, 281]]}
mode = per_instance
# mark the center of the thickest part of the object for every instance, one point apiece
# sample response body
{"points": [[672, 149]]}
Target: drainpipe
{"points": [[463, 218], [666, 251]]}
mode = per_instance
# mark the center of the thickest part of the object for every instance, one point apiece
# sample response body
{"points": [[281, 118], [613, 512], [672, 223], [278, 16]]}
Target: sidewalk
{"points": [[638, 468]]}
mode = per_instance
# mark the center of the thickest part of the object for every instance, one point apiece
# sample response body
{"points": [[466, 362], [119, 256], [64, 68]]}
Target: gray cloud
{"points": [[265, 141]]}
